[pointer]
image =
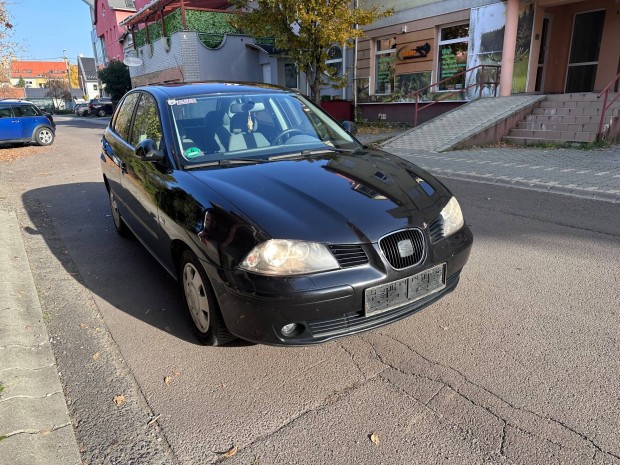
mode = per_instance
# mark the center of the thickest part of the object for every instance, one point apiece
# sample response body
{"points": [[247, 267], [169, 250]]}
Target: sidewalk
{"points": [[35, 427]]}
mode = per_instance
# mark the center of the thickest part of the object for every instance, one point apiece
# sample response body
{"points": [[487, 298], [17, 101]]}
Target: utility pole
{"points": [[66, 60]]}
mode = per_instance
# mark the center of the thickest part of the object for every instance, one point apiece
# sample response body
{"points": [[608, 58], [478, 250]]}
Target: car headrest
{"points": [[247, 106], [243, 122], [217, 118]]}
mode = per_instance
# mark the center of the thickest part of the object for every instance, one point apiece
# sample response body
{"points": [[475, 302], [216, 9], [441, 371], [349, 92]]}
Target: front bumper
{"points": [[329, 305]]}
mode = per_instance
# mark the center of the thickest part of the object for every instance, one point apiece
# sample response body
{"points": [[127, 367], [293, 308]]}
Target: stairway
{"points": [[562, 119]]}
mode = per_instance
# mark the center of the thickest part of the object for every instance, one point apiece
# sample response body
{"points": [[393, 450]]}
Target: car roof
{"points": [[179, 90], [13, 100]]}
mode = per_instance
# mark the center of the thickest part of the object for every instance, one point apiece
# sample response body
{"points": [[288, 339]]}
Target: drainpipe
{"points": [[510, 44]]}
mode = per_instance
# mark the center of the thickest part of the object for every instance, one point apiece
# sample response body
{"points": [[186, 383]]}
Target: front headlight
{"points": [[452, 217], [278, 257]]}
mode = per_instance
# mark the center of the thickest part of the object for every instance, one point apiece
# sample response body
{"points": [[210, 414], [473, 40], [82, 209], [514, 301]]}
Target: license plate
{"points": [[385, 297]]}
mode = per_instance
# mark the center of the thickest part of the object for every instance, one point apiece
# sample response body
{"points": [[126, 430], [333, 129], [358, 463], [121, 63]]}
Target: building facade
{"points": [[542, 46], [36, 74], [87, 78], [108, 35]]}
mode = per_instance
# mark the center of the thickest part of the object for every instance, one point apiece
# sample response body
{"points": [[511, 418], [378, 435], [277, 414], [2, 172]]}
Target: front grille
{"points": [[359, 321], [435, 229], [349, 255], [403, 248]]}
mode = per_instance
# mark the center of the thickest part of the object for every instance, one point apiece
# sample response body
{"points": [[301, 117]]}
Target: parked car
{"points": [[100, 106], [21, 121], [80, 109], [280, 227]]}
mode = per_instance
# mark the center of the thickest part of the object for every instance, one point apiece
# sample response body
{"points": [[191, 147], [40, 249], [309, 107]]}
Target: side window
{"points": [[25, 110], [146, 124], [5, 111], [122, 120]]}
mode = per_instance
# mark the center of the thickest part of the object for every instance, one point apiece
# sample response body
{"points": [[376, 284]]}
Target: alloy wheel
{"points": [[196, 297]]}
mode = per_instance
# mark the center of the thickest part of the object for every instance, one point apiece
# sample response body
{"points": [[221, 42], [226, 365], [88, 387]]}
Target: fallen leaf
{"points": [[176, 373], [232, 451], [167, 380], [96, 356], [375, 439], [119, 400], [83, 325]]}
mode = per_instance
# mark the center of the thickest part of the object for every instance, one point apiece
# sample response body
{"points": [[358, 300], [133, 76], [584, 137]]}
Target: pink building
{"points": [[107, 16]]}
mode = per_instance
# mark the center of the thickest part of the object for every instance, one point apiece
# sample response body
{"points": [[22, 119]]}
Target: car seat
{"points": [[243, 127]]}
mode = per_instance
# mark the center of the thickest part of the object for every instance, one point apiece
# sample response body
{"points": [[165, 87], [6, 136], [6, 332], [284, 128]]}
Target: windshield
{"points": [[224, 127]]}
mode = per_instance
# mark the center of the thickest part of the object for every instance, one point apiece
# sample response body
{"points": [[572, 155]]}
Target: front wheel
{"points": [[200, 302], [119, 224], [44, 136], [101, 113]]}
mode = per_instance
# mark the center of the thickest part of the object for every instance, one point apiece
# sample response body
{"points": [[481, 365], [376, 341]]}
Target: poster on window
{"points": [[486, 41]]}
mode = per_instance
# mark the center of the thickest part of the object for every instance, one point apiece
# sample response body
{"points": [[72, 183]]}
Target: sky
{"points": [[47, 27]]}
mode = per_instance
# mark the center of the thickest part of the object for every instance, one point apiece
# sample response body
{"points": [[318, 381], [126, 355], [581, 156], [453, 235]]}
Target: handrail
{"points": [[606, 105], [445, 95]]}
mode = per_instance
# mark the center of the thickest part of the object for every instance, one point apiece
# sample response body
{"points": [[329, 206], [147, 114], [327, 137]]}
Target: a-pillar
{"points": [[510, 44]]}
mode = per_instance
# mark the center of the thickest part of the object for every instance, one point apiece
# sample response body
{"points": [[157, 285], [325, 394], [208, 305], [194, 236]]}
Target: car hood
{"points": [[331, 198]]}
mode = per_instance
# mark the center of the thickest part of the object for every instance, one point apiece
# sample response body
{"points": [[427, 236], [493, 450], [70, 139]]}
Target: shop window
{"points": [[335, 60], [385, 56], [453, 43]]}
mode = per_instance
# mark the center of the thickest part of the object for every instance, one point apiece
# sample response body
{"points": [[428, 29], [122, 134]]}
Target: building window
{"points": [[94, 86], [385, 55], [335, 60], [453, 42], [291, 77]]}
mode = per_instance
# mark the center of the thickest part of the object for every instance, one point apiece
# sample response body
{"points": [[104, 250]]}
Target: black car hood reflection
{"points": [[331, 198]]}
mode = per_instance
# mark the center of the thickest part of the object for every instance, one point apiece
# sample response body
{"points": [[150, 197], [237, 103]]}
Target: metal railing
{"points": [[606, 105], [480, 82]]}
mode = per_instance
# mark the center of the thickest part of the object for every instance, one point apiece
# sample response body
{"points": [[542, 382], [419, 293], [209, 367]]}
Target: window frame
{"points": [[441, 42], [376, 55]]}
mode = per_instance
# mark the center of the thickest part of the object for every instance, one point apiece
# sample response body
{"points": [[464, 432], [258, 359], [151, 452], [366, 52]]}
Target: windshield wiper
{"points": [[227, 162], [308, 152]]}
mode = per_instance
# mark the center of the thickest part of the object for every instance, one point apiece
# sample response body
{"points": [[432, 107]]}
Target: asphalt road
{"points": [[519, 365]]}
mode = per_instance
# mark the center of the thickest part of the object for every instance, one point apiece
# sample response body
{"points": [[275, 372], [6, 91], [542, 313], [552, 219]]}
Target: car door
{"points": [[10, 127], [141, 180], [29, 118], [117, 150]]}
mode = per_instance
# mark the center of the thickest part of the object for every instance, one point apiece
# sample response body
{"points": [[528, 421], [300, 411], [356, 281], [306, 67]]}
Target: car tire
{"points": [[44, 136], [200, 302], [119, 223], [101, 112]]}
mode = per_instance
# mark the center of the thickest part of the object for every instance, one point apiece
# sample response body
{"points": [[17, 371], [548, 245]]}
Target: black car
{"points": [[280, 227], [100, 106], [81, 109]]}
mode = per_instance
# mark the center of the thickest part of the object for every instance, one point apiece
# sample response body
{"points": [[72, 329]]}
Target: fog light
{"points": [[290, 329]]}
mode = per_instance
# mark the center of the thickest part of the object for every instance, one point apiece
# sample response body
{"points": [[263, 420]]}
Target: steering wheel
{"points": [[287, 132]]}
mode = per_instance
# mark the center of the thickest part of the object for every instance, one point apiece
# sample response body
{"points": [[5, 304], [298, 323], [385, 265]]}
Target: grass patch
{"points": [[46, 317], [2, 437], [1, 388]]}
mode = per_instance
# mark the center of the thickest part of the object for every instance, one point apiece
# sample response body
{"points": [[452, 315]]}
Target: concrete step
{"points": [[558, 119], [577, 97], [572, 127], [535, 141], [567, 111], [564, 136]]}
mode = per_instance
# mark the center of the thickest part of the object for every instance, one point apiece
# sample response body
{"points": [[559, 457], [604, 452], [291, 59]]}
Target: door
{"points": [[584, 51], [10, 127], [266, 73], [542, 54], [141, 181]]}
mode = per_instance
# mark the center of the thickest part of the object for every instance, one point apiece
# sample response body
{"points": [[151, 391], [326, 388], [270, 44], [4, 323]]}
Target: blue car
{"points": [[21, 121]]}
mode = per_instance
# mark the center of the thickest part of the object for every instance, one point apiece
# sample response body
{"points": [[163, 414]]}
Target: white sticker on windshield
{"points": [[184, 101]]}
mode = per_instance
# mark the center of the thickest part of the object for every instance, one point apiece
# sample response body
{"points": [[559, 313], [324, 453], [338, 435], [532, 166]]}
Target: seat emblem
{"points": [[405, 248]]}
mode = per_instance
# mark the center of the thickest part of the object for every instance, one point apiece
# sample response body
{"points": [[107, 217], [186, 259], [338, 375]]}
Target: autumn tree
{"points": [[305, 30], [115, 77], [8, 48], [57, 89]]}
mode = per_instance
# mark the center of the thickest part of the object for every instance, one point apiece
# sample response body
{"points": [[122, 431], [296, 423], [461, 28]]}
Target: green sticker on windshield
{"points": [[192, 152]]}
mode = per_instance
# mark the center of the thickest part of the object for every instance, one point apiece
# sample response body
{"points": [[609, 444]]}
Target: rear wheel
{"points": [[101, 112], [200, 302], [119, 224], [44, 136]]}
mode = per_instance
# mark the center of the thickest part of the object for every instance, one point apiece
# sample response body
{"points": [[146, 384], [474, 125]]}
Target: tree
{"points": [[58, 90], [8, 48], [116, 79], [305, 30], [75, 82], [21, 82]]}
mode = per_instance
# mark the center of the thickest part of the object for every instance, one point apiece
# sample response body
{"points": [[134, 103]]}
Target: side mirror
{"points": [[350, 127], [147, 151]]}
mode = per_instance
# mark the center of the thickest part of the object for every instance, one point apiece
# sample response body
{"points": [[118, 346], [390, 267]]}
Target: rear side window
{"points": [[146, 124], [122, 120], [25, 110], [5, 111]]}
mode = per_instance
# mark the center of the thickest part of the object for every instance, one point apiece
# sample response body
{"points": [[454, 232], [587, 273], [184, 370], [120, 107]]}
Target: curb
{"points": [[35, 427]]}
